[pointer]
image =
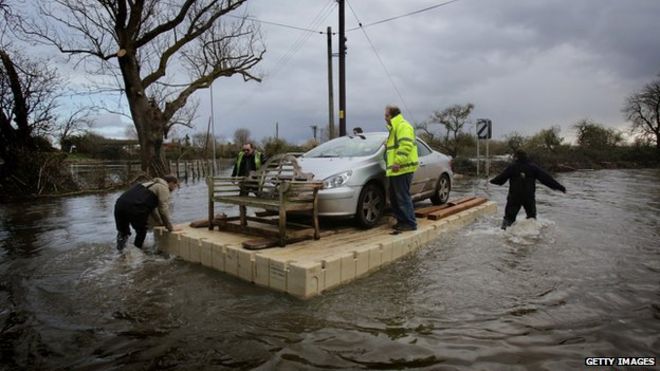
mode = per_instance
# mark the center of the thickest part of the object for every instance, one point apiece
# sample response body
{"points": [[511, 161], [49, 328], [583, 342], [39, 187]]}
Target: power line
{"points": [[361, 26], [300, 42], [320, 17], [387, 72], [275, 24]]}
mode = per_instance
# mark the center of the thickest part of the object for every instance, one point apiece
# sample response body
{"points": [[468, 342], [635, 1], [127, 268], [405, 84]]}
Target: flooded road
{"points": [[582, 281]]}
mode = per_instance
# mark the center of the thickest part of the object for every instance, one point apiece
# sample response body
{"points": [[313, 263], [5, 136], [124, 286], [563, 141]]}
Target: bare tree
{"points": [[241, 136], [76, 123], [643, 111], [27, 102], [427, 134], [453, 119], [161, 52]]}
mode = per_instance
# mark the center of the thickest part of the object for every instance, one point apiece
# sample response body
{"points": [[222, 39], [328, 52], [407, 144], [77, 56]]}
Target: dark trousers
{"points": [[401, 201], [124, 218], [512, 208]]}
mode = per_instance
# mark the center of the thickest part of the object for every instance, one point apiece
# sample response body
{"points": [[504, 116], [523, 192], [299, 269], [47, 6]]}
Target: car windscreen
{"points": [[348, 146]]}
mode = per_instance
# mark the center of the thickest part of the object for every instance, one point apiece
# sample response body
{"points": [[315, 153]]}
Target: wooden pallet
{"points": [[425, 211]]}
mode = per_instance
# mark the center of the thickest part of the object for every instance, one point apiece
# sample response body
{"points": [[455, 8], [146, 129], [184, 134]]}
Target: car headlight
{"points": [[337, 180]]}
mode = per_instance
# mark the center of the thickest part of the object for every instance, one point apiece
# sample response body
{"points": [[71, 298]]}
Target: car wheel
{"points": [[370, 206], [441, 194]]}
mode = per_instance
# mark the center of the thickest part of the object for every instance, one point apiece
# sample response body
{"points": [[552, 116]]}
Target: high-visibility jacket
{"points": [[238, 171], [401, 147]]}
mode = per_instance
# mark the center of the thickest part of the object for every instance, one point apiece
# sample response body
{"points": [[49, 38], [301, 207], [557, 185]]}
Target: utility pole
{"points": [[342, 70], [331, 100], [277, 130]]}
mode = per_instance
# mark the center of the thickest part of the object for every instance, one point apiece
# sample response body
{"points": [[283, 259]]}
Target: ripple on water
{"points": [[582, 280]]}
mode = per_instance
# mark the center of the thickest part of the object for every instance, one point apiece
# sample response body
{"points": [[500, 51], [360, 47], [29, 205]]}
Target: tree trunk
{"points": [[149, 121]]}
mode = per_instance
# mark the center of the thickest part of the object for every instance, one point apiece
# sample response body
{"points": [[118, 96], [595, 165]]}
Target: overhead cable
{"points": [[387, 72], [275, 24], [361, 26], [284, 59]]}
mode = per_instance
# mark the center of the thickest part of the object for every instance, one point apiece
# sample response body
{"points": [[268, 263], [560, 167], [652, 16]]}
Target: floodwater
{"points": [[584, 280]]}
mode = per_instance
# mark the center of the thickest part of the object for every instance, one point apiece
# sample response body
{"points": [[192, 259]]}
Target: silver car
{"points": [[353, 173]]}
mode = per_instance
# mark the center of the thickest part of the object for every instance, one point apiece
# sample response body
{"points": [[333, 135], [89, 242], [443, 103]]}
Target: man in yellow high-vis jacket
{"points": [[401, 162], [247, 160]]}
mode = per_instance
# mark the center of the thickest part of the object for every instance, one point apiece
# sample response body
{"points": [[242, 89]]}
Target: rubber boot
{"points": [[121, 241]]}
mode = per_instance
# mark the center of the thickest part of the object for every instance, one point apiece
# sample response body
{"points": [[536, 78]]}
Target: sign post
{"points": [[484, 131]]}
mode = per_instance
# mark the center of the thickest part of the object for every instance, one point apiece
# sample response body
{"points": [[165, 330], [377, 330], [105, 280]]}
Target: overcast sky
{"points": [[526, 65]]}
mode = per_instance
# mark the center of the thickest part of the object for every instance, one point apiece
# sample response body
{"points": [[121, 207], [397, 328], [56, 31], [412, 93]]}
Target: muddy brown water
{"points": [[583, 280]]}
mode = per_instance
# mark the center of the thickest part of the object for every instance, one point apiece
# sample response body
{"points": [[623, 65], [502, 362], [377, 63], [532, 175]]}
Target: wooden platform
{"points": [[308, 268]]}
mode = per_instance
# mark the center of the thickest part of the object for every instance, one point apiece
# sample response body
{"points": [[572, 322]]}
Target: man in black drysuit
{"points": [[522, 175], [141, 203]]}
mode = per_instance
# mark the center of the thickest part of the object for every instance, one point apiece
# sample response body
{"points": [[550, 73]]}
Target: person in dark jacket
{"points": [[522, 175], [142, 204], [248, 159]]}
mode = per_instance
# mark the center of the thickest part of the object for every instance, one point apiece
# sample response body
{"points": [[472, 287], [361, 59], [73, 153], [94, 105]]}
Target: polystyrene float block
{"points": [[304, 280], [184, 248], [441, 226], [218, 257], [361, 262], [375, 259], [261, 270], [396, 248], [414, 244], [453, 218], [206, 254], [231, 260], [348, 267], [331, 272], [309, 268], [195, 247], [277, 272], [246, 265], [385, 252], [174, 243]]}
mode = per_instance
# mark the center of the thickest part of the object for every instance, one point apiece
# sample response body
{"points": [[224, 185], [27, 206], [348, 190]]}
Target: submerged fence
{"points": [[105, 174]]}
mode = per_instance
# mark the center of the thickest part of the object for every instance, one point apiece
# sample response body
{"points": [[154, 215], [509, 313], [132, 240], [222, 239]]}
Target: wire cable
{"points": [[275, 23], [302, 40], [361, 26], [281, 63], [387, 72]]}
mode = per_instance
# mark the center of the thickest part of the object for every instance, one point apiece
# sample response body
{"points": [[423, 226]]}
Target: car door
{"points": [[424, 177]]}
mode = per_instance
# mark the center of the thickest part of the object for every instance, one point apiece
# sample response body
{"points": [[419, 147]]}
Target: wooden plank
{"points": [[248, 230], [218, 218], [260, 244], [267, 243], [265, 213], [456, 209], [424, 211]]}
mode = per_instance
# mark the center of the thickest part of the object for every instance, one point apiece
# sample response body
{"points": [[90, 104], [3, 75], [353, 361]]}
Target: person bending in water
{"points": [[522, 175], [140, 203]]}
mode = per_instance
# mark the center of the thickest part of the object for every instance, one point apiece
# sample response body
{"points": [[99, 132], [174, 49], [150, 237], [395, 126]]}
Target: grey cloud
{"points": [[526, 64]]}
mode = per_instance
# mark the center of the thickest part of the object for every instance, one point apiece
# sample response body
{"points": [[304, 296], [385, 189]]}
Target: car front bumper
{"points": [[340, 201]]}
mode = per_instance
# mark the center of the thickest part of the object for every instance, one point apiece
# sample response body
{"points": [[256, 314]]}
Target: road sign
{"points": [[484, 129]]}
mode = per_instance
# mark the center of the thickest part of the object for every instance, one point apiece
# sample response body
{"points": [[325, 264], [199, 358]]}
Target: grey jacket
{"points": [[161, 214]]}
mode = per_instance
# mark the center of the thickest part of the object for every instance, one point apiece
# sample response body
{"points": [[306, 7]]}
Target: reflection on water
{"points": [[581, 281]]}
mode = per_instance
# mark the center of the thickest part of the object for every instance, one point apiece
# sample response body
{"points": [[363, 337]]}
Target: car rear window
{"points": [[348, 146]]}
